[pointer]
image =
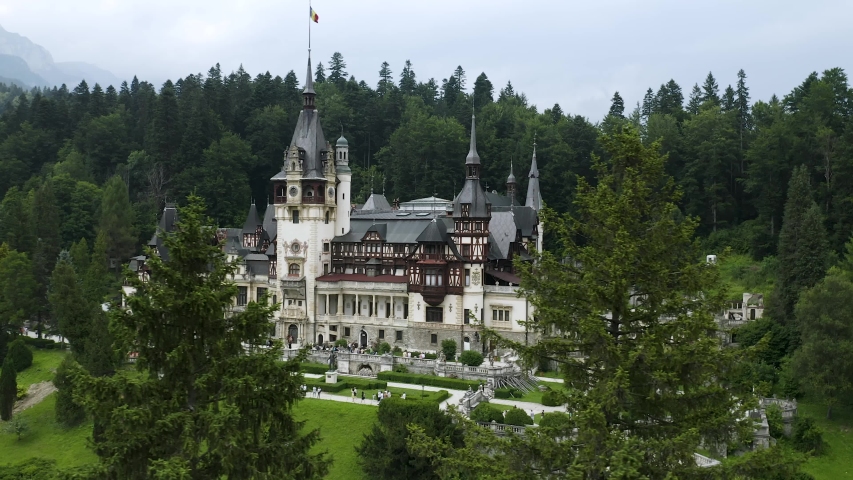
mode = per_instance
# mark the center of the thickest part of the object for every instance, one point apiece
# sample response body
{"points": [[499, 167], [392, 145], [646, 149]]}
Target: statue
{"points": [[441, 357], [333, 362]]}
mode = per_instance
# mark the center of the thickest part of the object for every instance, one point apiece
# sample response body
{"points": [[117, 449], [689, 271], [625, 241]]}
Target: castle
{"points": [[411, 274]]}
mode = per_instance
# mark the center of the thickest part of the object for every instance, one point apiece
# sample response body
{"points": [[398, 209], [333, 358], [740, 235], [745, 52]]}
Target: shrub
{"points": [[315, 368], [397, 351], [431, 380], [384, 348], [471, 358], [517, 416], [41, 343], [400, 368], [22, 392], [554, 420], [430, 356], [807, 437], [448, 347], [341, 343], [17, 426], [508, 392], [486, 412], [552, 399], [775, 421], [20, 354]]}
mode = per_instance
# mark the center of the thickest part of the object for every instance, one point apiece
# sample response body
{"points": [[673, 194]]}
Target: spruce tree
{"points": [[483, 91], [67, 412], [68, 304], [116, 221], [8, 389], [337, 68], [205, 400], [617, 106], [45, 224], [408, 80], [319, 73], [648, 104], [695, 100], [802, 252], [97, 283], [80, 254], [711, 90], [18, 287], [729, 102], [639, 301]]}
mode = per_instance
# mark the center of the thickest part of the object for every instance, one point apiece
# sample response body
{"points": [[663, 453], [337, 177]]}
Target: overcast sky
{"points": [[575, 53]]}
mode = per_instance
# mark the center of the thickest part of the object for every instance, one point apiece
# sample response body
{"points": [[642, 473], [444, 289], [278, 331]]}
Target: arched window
{"points": [[293, 269], [309, 192]]}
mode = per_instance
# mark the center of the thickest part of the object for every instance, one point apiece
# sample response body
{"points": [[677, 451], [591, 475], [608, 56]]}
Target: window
{"points": [[242, 296], [333, 328], [466, 209], [467, 278], [332, 338], [295, 216], [274, 299], [433, 338], [261, 292], [752, 314], [347, 331], [381, 334], [466, 316], [405, 311], [325, 268], [399, 335], [433, 278], [325, 247], [501, 314], [434, 314], [327, 218], [293, 269]]}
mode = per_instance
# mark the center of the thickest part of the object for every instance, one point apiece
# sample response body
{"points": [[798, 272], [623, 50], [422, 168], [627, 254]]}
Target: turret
{"points": [[344, 176], [511, 186], [534, 194]]}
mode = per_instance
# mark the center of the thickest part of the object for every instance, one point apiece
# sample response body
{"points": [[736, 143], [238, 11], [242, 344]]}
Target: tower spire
{"points": [[534, 195], [472, 162], [308, 93]]}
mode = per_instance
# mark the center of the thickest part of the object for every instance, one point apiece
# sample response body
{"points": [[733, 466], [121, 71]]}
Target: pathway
{"points": [[35, 394], [549, 379]]}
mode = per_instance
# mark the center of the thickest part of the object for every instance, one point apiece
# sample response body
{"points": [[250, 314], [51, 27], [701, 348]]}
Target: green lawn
{"points": [[342, 427], [45, 363], [395, 392], [838, 433], [47, 440]]}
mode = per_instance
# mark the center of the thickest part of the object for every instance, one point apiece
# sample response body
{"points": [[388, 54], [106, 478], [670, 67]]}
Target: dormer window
{"points": [[466, 209]]}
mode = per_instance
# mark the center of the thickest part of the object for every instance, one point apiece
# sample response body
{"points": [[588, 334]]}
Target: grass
{"points": [[838, 434], [342, 427], [740, 273], [395, 392], [45, 363], [46, 439]]}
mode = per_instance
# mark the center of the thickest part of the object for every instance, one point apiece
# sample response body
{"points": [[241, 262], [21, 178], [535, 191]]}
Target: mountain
{"points": [[16, 70], [42, 69]]}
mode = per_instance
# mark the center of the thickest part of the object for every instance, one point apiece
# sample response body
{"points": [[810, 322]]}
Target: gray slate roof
{"points": [[534, 194], [308, 136], [376, 202], [252, 220]]}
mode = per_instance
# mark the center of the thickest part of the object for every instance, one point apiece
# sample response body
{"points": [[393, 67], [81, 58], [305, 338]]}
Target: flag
{"points": [[314, 15]]}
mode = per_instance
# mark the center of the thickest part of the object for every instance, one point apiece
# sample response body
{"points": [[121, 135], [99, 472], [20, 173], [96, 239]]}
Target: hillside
{"points": [[41, 68]]}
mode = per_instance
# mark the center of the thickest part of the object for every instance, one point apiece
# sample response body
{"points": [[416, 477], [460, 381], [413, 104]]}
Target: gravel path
{"points": [[36, 393]]}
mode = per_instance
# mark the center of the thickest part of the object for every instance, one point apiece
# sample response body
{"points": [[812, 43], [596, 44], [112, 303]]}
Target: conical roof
{"points": [[252, 220], [309, 79], [534, 194], [473, 157], [511, 177]]}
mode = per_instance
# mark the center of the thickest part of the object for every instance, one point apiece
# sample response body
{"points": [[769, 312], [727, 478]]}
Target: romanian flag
{"points": [[314, 15]]}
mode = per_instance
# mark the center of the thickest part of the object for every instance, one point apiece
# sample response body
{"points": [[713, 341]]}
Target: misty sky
{"points": [[576, 53]]}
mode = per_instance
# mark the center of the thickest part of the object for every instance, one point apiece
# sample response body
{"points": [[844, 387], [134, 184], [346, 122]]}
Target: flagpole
{"points": [[310, 10]]}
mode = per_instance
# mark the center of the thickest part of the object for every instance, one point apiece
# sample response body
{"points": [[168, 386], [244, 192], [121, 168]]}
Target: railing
{"points": [[500, 289], [705, 462], [503, 429]]}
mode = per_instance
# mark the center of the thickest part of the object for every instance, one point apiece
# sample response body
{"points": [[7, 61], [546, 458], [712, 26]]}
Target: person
{"points": [[362, 396], [353, 394], [289, 341], [403, 396]]}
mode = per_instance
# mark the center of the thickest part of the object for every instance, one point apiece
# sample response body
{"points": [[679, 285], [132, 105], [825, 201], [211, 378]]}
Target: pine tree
{"points": [[8, 390], [557, 113], [648, 104], [319, 73], [385, 81], [408, 81], [99, 358], [743, 111], [117, 221], [68, 304], [802, 251], [729, 99], [617, 106], [66, 411], [710, 90], [14, 221], [620, 305], [483, 91], [825, 359], [337, 68], [80, 257], [45, 224], [204, 401], [507, 92], [98, 284], [19, 288]]}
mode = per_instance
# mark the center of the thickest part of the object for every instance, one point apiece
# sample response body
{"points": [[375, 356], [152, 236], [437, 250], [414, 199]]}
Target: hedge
{"points": [[20, 355], [430, 380], [317, 368], [42, 343], [471, 358], [508, 392], [347, 384], [486, 413]]}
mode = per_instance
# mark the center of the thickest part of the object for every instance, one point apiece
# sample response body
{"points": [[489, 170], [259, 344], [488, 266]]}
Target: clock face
{"points": [[295, 247], [331, 192], [293, 191]]}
